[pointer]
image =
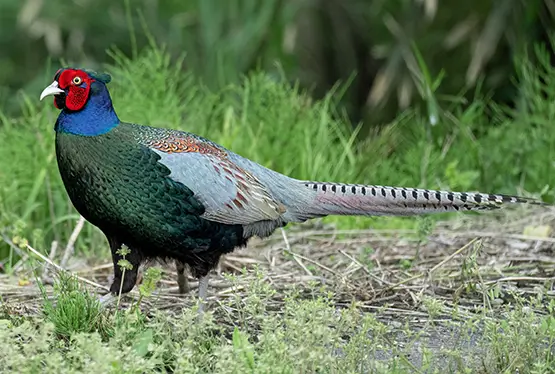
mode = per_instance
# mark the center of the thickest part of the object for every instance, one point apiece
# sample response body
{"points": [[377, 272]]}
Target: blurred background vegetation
{"points": [[372, 44], [422, 93]]}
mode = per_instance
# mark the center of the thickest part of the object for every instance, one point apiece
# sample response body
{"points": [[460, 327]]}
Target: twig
{"points": [[364, 268], [45, 277], [406, 280], [447, 259], [242, 260], [317, 264], [229, 265], [59, 268], [20, 263], [520, 279], [297, 260], [93, 269], [503, 235], [71, 242]]}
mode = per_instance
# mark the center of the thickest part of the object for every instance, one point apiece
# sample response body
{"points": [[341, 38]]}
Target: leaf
{"points": [[540, 231], [124, 264], [243, 348], [143, 342]]}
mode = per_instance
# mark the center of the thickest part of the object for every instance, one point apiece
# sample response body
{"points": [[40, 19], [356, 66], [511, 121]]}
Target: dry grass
{"points": [[457, 295], [392, 271]]}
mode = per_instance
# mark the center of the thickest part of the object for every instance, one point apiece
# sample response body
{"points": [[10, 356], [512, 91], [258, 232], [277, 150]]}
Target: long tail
{"points": [[354, 199]]}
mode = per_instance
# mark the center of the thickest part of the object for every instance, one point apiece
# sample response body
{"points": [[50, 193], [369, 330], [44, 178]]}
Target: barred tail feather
{"points": [[354, 199]]}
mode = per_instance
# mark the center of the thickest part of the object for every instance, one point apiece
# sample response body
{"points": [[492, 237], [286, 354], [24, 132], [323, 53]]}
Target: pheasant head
{"points": [[84, 101]]}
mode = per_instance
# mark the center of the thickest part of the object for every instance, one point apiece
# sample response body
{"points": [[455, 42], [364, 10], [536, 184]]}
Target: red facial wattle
{"points": [[76, 94]]}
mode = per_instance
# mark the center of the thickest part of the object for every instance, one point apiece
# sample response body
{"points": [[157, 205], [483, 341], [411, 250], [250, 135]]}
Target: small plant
{"points": [[470, 268], [405, 263], [124, 265], [433, 306], [73, 309], [424, 228], [366, 257], [516, 342], [151, 277]]}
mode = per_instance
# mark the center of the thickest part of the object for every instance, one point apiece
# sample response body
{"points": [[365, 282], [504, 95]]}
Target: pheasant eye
{"points": [[77, 81]]}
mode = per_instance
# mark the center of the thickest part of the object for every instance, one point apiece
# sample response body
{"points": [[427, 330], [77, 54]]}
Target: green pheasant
{"points": [[169, 194]]}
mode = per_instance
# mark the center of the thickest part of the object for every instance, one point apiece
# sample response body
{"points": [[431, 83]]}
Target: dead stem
{"points": [[71, 242]]}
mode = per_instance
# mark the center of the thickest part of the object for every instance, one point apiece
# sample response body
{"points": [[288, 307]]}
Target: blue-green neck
{"points": [[96, 118]]}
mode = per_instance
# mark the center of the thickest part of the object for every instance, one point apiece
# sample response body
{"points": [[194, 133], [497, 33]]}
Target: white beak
{"points": [[53, 89]]}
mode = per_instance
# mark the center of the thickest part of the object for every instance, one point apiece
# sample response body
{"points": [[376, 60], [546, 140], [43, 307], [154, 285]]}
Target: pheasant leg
{"points": [[202, 290], [182, 281]]}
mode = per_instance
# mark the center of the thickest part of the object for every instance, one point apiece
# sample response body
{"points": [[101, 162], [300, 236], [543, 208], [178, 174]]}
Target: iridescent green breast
{"points": [[119, 186]]}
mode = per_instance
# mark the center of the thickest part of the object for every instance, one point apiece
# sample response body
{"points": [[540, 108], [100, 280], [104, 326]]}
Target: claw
{"points": [[107, 299]]}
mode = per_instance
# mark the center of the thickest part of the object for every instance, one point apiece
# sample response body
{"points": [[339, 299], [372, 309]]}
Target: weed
{"points": [[124, 265], [73, 309], [150, 278]]}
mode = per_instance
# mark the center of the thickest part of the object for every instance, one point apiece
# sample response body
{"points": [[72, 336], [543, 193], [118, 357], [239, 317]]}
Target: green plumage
{"points": [[117, 183], [170, 194]]}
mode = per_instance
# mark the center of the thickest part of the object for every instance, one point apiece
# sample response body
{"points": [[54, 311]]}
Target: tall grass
{"points": [[281, 127], [262, 118]]}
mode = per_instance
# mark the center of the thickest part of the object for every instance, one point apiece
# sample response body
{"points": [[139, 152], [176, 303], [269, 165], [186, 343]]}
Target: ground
{"points": [[472, 294]]}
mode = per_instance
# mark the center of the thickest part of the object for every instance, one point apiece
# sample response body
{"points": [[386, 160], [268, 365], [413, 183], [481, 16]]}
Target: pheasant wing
{"points": [[229, 193]]}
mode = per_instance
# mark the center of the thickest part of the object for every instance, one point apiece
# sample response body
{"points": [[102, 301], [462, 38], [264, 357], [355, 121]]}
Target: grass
{"points": [[444, 314], [281, 127], [409, 298], [74, 310]]}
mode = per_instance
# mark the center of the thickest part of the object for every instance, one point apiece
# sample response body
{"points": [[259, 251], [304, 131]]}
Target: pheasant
{"points": [[169, 194]]}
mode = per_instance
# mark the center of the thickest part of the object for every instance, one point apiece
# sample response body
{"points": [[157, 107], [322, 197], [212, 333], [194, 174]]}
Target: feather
{"points": [[372, 200], [171, 194], [229, 193]]}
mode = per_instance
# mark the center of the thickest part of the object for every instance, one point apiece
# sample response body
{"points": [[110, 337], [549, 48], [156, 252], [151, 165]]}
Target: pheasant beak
{"points": [[53, 89]]}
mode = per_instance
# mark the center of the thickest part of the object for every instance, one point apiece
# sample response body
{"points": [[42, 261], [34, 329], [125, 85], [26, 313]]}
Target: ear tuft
{"points": [[101, 77], [105, 77]]}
